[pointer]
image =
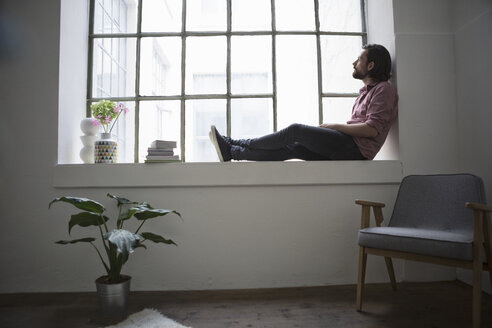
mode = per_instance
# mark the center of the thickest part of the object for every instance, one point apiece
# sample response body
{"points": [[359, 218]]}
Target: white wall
{"points": [[231, 237], [73, 78], [426, 84], [473, 49], [381, 30], [29, 122]]}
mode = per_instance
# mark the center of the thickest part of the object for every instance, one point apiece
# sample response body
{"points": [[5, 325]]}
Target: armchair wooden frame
{"points": [[481, 241]]}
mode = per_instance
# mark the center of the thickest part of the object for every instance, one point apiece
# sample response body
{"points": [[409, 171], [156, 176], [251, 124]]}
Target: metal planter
{"points": [[113, 297]]}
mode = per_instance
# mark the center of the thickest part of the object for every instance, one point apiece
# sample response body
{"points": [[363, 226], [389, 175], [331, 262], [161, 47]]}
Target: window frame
{"points": [[184, 34]]}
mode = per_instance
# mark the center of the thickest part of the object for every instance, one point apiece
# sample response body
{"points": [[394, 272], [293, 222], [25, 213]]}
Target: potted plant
{"points": [[113, 287], [105, 113]]}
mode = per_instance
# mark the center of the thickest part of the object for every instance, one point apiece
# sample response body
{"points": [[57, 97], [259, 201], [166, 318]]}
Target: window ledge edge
{"points": [[227, 174]]}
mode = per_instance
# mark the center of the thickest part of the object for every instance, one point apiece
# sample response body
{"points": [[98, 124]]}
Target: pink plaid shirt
{"points": [[377, 105]]}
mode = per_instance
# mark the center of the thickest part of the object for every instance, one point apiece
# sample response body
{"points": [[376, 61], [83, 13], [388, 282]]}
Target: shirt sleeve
{"points": [[380, 108]]}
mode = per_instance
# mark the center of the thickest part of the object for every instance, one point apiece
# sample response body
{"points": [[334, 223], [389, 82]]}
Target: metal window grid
{"points": [[184, 34]]}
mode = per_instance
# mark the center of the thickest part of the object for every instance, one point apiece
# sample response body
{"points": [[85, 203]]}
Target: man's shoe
{"points": [[222, 146]]}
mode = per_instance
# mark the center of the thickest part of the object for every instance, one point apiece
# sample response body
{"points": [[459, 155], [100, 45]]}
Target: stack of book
{"points": [[162, 151]]}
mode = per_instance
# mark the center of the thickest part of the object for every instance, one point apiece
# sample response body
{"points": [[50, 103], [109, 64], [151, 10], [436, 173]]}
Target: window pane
{"points": [[251, 117], [251, 64], [337, 110], [251, 15], [115, 16], [200, 114], [297, 80], [206, 15], [294, 15], [340, 16], [161, 15], [124, 133], [160, 66], [159, 120], [337, 65], [206, 65], [113, 68]]}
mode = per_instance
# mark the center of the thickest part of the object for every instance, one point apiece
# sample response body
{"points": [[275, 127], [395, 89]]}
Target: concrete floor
{"points": [[441, 304]]}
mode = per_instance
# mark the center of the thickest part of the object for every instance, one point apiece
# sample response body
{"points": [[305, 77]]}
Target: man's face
{"points": [[361, 67]]}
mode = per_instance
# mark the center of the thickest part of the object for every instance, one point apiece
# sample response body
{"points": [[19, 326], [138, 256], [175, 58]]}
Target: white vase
{"points": [[105, 149], [87, 152], [88, 127], [88, 139]]}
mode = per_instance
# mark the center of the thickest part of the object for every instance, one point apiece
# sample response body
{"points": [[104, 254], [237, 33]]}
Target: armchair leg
{"points": [[391, 272], [361, 277], [487, 245], [477, 294], [477, 269]]}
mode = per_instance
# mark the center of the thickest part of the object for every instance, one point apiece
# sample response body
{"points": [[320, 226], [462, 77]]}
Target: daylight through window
{"points": [[250, 67]]}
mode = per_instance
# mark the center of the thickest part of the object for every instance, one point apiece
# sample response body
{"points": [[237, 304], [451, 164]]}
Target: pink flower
{"points": [[125, 110], [96, 122], [116, 109], [108, 119]]}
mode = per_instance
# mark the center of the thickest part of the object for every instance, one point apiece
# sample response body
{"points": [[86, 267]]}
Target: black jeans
{"points": [[299, 141]]}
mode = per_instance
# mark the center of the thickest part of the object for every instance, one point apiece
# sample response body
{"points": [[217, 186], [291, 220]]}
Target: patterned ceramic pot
{"points": [[105, 149]]}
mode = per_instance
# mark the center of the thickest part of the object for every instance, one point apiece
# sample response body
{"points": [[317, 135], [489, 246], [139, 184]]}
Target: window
{"points": [[250, 67]]}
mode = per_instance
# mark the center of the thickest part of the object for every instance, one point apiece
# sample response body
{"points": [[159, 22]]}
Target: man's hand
{"points": [[328, 126], [353, 130]]}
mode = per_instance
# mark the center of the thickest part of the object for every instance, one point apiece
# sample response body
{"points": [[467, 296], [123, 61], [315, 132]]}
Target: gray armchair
{"points": [[431, 222]]}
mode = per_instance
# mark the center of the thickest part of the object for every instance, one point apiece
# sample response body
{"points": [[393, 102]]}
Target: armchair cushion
{"points": [[448, 244]]}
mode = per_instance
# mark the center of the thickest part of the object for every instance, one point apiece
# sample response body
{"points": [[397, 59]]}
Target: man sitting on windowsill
{"points": [[361, 138]]}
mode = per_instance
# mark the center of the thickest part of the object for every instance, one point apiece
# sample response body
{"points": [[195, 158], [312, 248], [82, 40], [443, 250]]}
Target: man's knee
{"points": [[296, 126]]}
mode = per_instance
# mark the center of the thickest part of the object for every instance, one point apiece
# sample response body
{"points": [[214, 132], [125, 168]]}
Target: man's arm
{"points": [[354, 130]]}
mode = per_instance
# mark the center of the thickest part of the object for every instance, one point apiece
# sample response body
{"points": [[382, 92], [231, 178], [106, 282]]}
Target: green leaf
{"points": [[121, 200], [131, 211], [145, 205], [127, 214], [145, 214], [81, 203], [85, 219], [139, 245], [83, 240], [157, 239]]}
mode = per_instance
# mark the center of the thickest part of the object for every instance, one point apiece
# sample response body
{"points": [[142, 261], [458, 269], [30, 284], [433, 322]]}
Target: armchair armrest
{"points": [[480, 207], [366, 212], [481, 233], [369, 203]]}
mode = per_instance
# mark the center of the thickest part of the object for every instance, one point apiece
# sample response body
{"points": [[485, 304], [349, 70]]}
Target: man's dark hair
{"points": [[382, 61]]}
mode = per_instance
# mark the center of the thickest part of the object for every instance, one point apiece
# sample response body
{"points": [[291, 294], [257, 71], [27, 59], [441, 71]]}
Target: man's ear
{"points": [[370, 66]]}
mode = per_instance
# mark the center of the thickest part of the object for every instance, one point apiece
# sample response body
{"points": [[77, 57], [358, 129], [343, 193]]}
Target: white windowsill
{"points": [[227, 174]]}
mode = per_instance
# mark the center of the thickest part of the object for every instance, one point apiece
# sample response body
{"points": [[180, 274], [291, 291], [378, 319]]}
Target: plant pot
{"points": [[113, 297], [105, 150]]}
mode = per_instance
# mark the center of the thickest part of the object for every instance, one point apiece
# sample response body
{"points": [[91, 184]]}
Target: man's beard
{"points": [[358, 75]]}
